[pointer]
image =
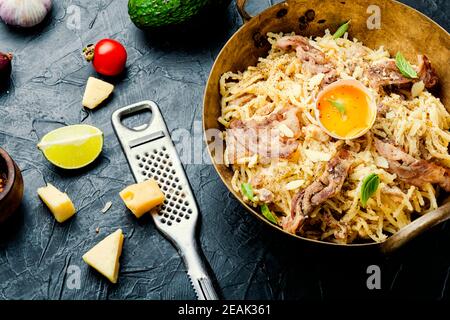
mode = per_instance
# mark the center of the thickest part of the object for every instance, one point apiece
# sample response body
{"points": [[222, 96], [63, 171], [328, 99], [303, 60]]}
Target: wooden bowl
{"points": [[12, 194], [402, 29]]}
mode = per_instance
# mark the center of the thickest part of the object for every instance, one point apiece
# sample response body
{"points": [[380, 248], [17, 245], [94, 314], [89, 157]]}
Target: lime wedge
{"points": [[72, 147]]}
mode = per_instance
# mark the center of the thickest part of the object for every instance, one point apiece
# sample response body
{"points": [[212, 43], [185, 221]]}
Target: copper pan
{"points": [[402, 29]]}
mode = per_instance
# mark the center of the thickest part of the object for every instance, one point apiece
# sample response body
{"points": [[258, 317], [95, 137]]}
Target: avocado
{"points": [[150, 14]]}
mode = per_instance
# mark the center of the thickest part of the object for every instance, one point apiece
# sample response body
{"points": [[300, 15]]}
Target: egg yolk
{"points": [[344, 111]]}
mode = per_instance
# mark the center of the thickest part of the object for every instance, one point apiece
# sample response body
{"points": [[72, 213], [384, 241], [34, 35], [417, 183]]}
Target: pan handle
{"points": [[240, 4], [416, 227]]}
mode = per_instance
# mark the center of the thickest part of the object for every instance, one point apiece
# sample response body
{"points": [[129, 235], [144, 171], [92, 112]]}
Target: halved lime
{"points": [[72, 147]]}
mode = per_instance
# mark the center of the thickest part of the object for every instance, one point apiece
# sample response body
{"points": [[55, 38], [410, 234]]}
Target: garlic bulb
{"points": [[24, 13]]}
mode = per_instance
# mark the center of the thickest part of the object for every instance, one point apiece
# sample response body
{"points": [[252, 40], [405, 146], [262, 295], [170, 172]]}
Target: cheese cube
{"points": [[142, 197], [96, 92], [58, 202], [104, 256]]}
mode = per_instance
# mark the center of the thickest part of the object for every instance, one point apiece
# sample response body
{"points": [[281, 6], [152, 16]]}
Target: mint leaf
{"points": [[404, 66], [268, 214], [341, 30], [338, 105], [369, 187], [247, 190]]}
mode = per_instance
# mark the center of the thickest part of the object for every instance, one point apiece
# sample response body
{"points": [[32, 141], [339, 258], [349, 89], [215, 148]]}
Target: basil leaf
{"points": [[247, 190], [341, 30], [268, 214], [404, 66], [338, 105], [369, 187]]}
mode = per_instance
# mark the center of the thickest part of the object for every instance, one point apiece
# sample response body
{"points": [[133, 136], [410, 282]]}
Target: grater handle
{"points": [[145, 133], [196, 270]]}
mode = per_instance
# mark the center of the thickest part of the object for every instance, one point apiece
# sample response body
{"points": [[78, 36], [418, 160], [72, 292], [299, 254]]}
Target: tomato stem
{"points": [[88, 52]]}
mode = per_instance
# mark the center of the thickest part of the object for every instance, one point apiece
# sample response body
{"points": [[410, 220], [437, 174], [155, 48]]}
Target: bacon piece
{"points": [[264, 137], [411, 170], [426, 72], [313, 59], [386, 73], [305, 51], [329, 184]]}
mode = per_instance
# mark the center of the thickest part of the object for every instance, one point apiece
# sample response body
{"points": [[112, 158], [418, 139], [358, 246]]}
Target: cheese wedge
{"points": [[58, 202], [96, 92], [142, 197], [104, 256]]}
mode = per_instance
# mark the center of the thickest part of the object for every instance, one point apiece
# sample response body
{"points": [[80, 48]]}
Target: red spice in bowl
{"points": [[2, 181]]}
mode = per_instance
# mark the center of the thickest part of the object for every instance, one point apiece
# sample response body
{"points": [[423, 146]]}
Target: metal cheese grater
{"points": [[151, 154]]}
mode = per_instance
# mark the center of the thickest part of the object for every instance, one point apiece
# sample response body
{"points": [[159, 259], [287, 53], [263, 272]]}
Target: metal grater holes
{"points": [[157, 165]]}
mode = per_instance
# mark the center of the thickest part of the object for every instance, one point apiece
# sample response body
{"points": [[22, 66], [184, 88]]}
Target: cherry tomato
{"points": [[110, 57]]}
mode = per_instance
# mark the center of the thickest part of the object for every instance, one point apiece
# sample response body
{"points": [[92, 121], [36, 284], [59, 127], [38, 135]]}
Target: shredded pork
{"points": [[314, 60], [326, 186], [414, 171], [386, 73], [273, 137], [427, 73]]}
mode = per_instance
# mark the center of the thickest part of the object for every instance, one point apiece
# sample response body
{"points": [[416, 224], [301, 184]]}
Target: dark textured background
{"points": [[250, 261]]}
